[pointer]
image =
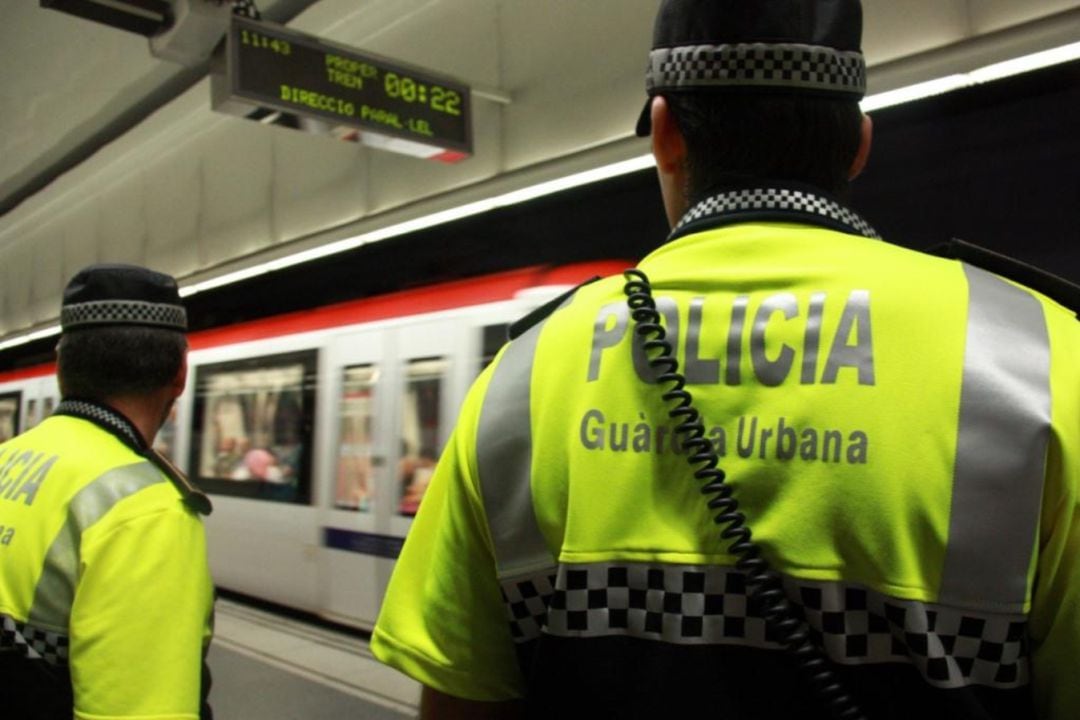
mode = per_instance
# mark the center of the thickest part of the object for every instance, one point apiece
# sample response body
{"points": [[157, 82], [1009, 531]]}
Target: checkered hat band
{"points": [[781, 65], [778, 199], [32, 642], [123, 312], [699, 605]]}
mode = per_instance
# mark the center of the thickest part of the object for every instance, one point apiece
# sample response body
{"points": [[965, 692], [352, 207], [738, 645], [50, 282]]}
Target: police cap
{"points": [[107, 295], [780, 46]]}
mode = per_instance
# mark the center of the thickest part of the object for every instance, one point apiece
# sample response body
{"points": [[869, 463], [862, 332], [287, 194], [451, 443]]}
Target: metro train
{"points": [[316, 432]]}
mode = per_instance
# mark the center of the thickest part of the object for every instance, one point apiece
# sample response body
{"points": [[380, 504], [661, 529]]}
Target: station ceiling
{"points": [[110, 154]]}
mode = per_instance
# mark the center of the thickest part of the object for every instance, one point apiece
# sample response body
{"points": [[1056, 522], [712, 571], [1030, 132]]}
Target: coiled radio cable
{"points": [[763, 582]]}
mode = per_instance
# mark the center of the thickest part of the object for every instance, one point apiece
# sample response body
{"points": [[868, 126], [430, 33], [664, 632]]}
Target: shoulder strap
{"points": [[520, 326], [194, 498], [1052, 286]]}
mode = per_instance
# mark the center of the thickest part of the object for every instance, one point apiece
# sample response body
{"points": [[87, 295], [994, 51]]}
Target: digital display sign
{"points": [[272, 67]]}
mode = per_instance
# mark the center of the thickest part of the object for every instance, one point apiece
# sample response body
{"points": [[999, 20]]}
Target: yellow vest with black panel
{"points": [[105, 592], [902, 431]]}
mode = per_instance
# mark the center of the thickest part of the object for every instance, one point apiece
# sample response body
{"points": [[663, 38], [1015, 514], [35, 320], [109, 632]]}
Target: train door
{"points": [[354, 488], [433, 375], [397, 394]]}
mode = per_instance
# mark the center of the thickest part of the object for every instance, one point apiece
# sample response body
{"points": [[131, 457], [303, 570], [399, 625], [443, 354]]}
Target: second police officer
{"points": [[106, 599]]}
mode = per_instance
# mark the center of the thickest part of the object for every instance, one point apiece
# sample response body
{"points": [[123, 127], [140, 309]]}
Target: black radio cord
{"points": [[764, 583]]}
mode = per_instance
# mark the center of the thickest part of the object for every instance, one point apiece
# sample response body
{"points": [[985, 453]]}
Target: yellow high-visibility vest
{"points": [[103, 573], [902, 432]]}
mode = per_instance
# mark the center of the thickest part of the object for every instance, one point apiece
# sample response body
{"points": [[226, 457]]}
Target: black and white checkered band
{"points": [[105, 418], [527, 600], [32, 642], [699, 605], [780, 65], [787, 203], [123, 312]]}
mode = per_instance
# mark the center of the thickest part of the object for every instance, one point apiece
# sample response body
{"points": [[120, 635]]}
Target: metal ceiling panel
{"points": [[558, 85], [991, 15], [235, 184], [894, 29], [63, 78], [324, 183], [123, 235], [576, 71]]}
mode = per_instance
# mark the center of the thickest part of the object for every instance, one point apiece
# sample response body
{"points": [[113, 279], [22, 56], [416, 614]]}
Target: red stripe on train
{"points": [[416, 301]]}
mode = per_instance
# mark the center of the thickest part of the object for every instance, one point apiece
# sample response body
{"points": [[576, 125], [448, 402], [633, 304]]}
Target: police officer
{"points": [[105, 591], [901, 431]]}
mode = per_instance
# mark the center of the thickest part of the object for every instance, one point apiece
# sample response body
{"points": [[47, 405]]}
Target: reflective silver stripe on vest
{"points": [[55, 591], [1000, 449], [504, 462]]}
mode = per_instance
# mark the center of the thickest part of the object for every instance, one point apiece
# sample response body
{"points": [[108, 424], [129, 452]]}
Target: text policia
{"points": [[813, 358]]}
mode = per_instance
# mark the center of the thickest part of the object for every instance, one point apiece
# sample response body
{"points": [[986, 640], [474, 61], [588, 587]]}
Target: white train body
{"points": [[315, 432]]}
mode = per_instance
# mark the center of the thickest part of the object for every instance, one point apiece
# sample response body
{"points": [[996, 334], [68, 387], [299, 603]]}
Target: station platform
{"points": [[269, 667]]}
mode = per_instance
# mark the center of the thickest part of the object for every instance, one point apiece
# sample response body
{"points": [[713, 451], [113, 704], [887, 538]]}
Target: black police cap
{"points": [[781, 46], [104, 295]]}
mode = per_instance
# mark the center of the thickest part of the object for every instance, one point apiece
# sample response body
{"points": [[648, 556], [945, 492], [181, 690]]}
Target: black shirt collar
{"points": [[106, 418], [772, 202]]}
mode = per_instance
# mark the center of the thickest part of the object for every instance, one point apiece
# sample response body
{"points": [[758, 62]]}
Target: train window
{"points": [[165, 440], [355, 483], [32, 418], [32, 415], [9, 415], [419, 429], [253, 419], [494, 338]]}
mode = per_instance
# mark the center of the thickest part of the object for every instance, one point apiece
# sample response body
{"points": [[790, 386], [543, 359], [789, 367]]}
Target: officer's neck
{"points": [[146, 412]]}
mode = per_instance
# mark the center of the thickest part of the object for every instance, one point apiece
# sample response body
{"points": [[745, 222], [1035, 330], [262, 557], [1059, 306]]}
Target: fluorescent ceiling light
{"points": [[997, 71], [30, 337], [1027, 63], [918, 91], [426, 221]]}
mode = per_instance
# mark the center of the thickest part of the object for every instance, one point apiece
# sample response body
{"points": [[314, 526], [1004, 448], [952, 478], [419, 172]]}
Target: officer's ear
{"points": [[59, 375], [862, 155], [669, 150], [668, 145]]}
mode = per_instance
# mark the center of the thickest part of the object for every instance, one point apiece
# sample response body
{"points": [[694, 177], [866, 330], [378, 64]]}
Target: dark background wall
{"points": [[997, 165]]}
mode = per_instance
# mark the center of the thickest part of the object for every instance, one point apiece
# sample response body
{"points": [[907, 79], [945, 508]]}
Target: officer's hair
{"points": [[102, 363], [806, 139]]}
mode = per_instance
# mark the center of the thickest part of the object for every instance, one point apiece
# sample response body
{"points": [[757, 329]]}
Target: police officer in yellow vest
{"points": [[105, 592], [901, 431]]}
